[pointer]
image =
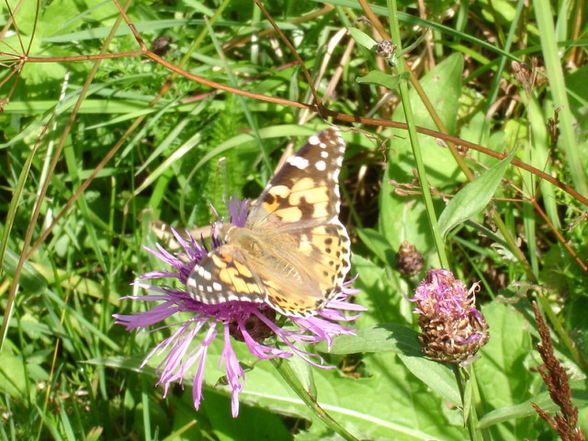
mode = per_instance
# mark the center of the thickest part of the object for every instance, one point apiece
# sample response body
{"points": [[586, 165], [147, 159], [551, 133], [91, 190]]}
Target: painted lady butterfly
{"points": [[293, 252]]}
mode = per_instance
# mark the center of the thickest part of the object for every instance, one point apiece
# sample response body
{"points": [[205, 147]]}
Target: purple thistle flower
{"points": [[245, 321], [453, 330]]}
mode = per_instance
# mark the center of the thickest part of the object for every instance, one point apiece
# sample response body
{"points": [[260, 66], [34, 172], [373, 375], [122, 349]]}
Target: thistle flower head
{"points": [[243, 321], [452, 329]]}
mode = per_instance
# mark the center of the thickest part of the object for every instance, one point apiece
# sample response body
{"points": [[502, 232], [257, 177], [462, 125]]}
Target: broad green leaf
{"points": [[403, 218], [437, 376], [403, 408], [576, 83], [502, 372], [200, 7], [386, 337], [538, 154], [443, 87], [31, 279], [353, 402], [472, 199]]}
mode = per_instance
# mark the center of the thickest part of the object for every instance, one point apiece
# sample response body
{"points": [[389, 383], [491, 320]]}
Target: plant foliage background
{"points": [[68, 373]]}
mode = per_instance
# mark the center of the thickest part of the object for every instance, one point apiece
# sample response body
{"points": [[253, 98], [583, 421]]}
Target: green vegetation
{"points": [[101, 141]]}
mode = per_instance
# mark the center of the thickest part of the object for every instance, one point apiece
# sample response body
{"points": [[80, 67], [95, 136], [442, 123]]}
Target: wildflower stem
{"points": [[286, 372], [469, 411], [414, 140]]}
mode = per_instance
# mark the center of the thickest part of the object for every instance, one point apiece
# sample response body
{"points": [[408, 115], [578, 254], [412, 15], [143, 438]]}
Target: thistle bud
{"points": [[408, 260], [452, 329]]}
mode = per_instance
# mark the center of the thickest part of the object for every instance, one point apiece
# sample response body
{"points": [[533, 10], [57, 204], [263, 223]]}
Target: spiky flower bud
{"points": [[452, 329], [408, 260]]}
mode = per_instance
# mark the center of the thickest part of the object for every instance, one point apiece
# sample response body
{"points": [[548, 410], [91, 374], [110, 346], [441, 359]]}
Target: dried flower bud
{"points": [[452, 329], [385, 48], [408, 260], [161, 45]]}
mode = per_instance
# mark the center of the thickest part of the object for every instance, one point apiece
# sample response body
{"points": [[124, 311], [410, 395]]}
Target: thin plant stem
{"points": [[287, 373], [470, 414], [414, 140]]}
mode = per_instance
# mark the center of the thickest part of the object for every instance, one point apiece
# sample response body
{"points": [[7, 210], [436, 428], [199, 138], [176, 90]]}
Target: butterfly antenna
{"points": [[214, 211]]}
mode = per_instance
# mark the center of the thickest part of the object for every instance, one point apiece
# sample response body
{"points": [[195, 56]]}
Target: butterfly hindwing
{"points": [[223, 276]]}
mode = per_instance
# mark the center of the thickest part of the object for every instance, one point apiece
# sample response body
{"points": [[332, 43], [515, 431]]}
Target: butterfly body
{"points": [[293, 252]]}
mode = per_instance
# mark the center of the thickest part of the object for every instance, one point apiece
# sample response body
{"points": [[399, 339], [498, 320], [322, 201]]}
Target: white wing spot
{"points": [[203, 273], [298, 162], [321, 165], [335, 176], [217, 286], [324, 154], [314, 140]]}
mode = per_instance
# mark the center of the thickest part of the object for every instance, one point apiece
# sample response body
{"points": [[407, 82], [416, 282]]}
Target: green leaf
{"points": [[525, 409], [386, 337], [351, 401], [362, 38], [12, 375], [443, 87], [379, 293], [376, 242], [381, 79], [253, 423], [502, 372], [437, 376], [472, 199]]}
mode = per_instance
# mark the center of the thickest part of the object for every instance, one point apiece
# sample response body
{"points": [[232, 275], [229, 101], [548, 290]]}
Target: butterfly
{"points": [[293, 252]]}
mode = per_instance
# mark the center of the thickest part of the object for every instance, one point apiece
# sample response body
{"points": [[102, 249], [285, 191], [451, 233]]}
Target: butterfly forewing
{"points": [[306, 187]]}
